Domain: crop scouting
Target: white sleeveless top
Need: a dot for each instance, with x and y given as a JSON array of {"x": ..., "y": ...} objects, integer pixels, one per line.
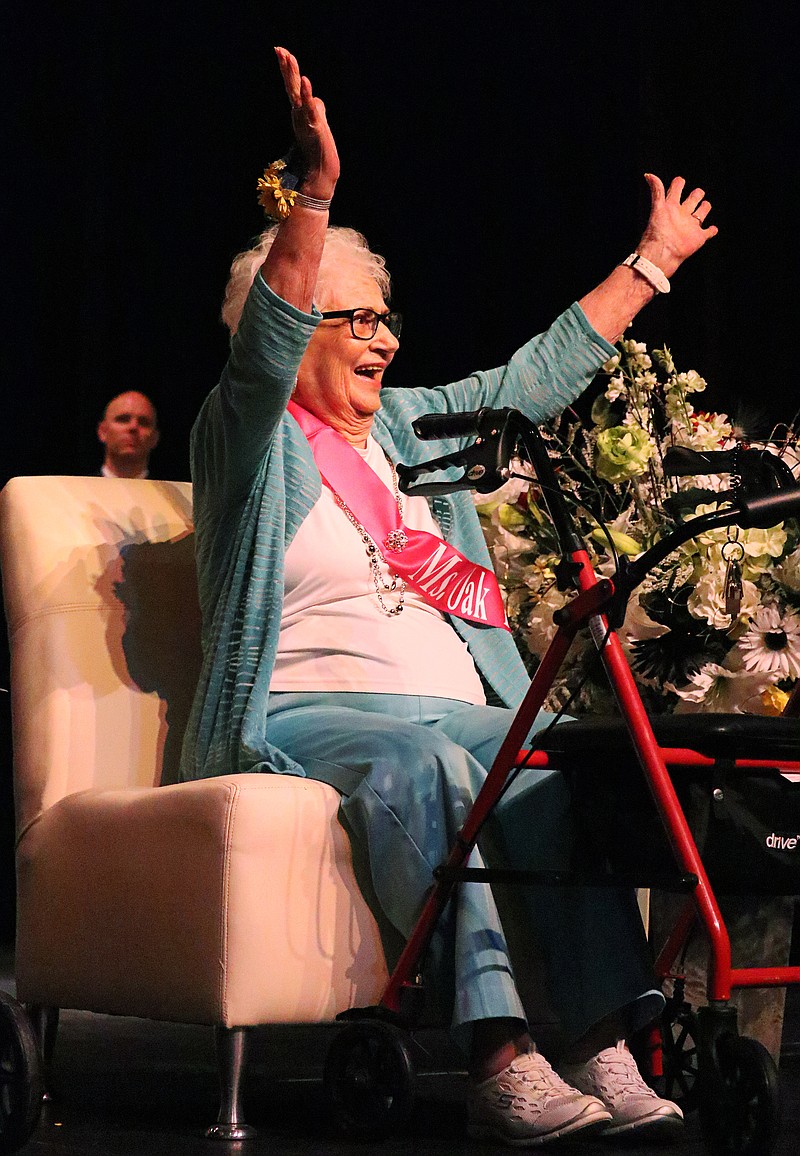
[{"x": 334, "y": 635}]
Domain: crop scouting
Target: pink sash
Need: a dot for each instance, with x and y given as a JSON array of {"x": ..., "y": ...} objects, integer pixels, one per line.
[{"x": 435, "y": 569}]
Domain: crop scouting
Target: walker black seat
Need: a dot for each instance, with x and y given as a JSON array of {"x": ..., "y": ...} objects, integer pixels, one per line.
[
  {"x": 718, "y": 736},
  {"x": 745, "y": 821}
]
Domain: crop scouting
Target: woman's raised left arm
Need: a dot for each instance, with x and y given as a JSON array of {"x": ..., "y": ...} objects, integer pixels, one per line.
[{"x": 674, "y": 231}]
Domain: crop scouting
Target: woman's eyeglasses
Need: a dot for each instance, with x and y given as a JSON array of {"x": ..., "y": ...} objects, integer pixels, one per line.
[{"x": 364, "y": 322}]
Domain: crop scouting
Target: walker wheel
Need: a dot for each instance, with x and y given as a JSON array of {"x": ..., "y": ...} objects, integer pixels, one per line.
[
  {"x": 740, "y": 1098},
  {"x": 20, "y": 1076},
  {"x": 679, "y": 1033},
  {"x": 369, "y": 1080}
]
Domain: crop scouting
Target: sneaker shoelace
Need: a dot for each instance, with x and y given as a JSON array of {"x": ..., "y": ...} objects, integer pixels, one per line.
[
  {"x": 535, "y": 1073},
  {"x": 627, "y": 1080}
]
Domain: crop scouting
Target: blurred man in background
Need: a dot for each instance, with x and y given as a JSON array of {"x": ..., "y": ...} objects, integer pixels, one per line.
[{"x": 129, "y": 432}]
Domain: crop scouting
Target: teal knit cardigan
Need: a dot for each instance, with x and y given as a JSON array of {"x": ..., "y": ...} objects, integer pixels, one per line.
[{"x": 254, "y": 481}]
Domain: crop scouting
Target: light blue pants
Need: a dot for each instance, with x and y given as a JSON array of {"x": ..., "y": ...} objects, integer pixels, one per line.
[{"x": 409, "y": 769}]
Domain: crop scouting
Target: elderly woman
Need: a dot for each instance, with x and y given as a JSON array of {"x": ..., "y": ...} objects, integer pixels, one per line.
[{"x": 336, "y": 645}]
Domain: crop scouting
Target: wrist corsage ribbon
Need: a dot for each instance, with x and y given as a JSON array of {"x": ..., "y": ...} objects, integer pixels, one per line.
[{"x": 277, "y": 196}]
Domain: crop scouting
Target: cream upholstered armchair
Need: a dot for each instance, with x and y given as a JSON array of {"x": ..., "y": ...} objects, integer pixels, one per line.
[{"x": 231, "y": 901}]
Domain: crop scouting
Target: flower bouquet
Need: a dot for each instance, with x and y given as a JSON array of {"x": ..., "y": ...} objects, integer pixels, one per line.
[{"x": 691, "y": 644}]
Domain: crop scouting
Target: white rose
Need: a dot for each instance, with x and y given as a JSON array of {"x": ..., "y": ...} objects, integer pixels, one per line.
[{"x": 788, "y": 573}]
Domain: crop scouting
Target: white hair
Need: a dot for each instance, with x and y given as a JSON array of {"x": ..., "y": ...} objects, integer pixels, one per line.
[{"x": 343, "y": 248}]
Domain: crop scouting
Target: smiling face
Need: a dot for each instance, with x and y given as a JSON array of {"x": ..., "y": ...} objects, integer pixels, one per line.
[{"x": 340, "y": 376}]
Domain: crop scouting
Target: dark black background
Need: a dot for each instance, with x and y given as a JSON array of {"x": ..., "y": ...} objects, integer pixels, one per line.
[{"x": 493, "y": 152}]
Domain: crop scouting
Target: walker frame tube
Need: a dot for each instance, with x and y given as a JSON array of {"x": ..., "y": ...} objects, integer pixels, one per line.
[{"x": 592, "y": 606}]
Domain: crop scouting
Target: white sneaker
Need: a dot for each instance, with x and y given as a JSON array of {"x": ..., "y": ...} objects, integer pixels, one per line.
[
  {"x": 612, "y": 1076},
  {"x": 528, "y": 1104}
]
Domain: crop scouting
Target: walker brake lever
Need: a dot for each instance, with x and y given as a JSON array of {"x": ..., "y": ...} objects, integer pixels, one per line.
[{"x": 485, "y": 462}]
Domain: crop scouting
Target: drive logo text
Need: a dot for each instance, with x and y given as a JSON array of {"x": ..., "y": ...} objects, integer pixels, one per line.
[{"x": 778, "y": 842}]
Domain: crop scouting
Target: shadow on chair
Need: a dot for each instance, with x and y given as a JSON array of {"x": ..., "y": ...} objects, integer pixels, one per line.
[{"x": 229, "y": 901}]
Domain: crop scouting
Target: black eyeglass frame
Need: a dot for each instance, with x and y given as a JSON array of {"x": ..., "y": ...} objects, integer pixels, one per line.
[{"x": 391, "y": 319}]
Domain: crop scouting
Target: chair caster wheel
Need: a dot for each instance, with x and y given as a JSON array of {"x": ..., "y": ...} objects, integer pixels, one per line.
[{"x": 21, "y": 1084}]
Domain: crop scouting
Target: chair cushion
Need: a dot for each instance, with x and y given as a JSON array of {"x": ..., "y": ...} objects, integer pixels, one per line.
[{"x": 228, "y": 900}]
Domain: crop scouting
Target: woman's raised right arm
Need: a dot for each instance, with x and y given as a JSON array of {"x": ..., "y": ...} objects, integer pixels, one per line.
[
  {"x": 292, "y": 264},
  {"x": 238, "y": 421}
]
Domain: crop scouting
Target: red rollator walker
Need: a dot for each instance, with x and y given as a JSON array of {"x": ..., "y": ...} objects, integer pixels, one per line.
[{"x": 739, "y": 770}]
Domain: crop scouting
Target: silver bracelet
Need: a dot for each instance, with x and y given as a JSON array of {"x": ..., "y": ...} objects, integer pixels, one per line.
[{"x": 317, "y": 203}]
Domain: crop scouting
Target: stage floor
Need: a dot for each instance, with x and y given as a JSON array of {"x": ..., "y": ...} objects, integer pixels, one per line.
[{"x": 129, "y": 1087}]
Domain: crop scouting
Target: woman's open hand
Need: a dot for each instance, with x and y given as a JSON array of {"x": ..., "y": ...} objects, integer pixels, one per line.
[
  {"x": 676, "y": 227},
  {"x": 312, "y": 133}
]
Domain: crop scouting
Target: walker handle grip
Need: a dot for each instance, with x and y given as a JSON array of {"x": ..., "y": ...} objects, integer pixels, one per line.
[
  {"x": 764, "y": 512},
  {"x": 455, "y": 425},
  {"x": 682, "y": 460}
]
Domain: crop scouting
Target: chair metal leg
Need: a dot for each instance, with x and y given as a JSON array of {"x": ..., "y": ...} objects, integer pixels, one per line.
[
  {"x": 231, "y": 1057},
  {"x": 45, "y": 1025}
]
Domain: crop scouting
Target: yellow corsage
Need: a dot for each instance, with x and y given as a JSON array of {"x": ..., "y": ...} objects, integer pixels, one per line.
[{"x": 275, "y": 200}]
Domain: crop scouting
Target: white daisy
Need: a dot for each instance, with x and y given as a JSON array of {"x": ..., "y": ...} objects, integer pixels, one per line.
[
  {"x": 716, "y": 690},
  {"x": 771, "y": 644}
]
